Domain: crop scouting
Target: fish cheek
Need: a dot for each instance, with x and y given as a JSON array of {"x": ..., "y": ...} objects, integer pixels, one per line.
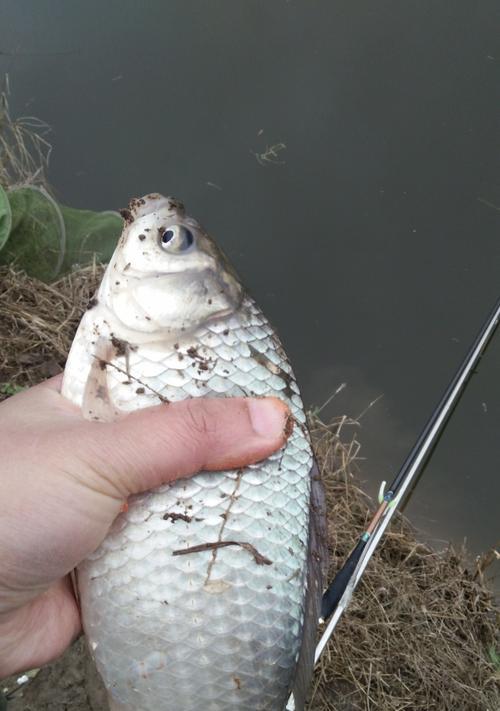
[
  {"x": 182, "y": 301},
  {"x": 129, "y": 312}
]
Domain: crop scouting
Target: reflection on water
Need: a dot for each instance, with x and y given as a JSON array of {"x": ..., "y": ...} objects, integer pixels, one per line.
[{"x": 345, "y": 156}]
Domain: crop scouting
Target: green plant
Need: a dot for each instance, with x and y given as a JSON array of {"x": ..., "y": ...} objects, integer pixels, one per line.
[{"x": 10, "y": 389}]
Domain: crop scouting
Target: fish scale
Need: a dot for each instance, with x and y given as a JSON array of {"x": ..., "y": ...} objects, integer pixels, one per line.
[{"x": 218, "y": 628}]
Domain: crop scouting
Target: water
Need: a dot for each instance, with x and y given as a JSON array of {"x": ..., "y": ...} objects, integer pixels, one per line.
[{"x": 372, "y": 241}]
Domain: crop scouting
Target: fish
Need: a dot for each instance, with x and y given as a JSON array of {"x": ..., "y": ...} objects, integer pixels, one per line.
[{"x": 205, "y": 593}]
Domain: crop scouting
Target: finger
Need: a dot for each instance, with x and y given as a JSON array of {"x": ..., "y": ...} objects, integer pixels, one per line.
[
  {"x": 33, "y": 404},
  {"x": 161, "y": 444},
  {"x": 53, "y": 383}
]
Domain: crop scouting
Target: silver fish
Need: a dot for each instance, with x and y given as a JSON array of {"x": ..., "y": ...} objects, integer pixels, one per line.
[{"x": 204, "y": 594}]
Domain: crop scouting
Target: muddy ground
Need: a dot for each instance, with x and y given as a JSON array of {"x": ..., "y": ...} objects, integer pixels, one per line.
[{"x": 71, "y": 683}]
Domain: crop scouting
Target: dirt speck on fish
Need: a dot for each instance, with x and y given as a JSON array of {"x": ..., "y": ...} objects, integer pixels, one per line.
[{"x": 231, "y": 551}]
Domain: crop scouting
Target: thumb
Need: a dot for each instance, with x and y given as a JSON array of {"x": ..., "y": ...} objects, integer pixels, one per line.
[
  {"x": 65, "y": 479},
  {"x": 160, "y": 444}
]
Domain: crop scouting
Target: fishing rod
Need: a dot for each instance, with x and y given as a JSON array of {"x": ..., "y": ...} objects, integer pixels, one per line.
[{"x": 338, "y": 594}]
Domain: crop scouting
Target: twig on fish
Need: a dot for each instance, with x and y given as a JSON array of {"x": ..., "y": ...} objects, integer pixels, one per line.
[
  {"x": 258, "y": 557},
  {"x": 232, "y": 498},
  {"x": 103, "y": 363}
]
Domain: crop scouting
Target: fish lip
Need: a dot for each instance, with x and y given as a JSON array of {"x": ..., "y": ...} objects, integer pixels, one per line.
[{"x": 148, "y": 276}]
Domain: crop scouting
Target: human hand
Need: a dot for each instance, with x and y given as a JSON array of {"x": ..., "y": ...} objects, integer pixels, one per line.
[{"x": 64, "y": 480}]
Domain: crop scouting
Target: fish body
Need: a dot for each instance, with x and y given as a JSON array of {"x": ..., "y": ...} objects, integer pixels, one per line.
[{"x": 204, "y": 593}]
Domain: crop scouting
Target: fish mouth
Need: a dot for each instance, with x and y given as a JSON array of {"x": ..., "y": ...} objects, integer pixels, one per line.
[{"x": 149, "y": 275}]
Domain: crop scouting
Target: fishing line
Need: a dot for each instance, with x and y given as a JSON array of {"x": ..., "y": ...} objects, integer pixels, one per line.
[{"x": 362, "y": 552}]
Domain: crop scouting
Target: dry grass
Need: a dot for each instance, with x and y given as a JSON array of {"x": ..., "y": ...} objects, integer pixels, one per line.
[
  {"x": 24, "y": 150},
  {"x": 37, "y": 323},
  {"x": 419, "y": 629}
]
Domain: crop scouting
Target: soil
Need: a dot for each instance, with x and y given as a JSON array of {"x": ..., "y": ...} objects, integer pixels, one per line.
[{"x": 69, "y": 684}]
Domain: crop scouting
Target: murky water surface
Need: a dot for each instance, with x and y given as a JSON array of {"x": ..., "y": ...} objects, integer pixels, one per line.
[{"x": 346, "y": 157}]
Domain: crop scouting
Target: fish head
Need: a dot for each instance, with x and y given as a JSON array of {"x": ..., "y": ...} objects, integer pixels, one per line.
[{"x": 167, "y": 274}]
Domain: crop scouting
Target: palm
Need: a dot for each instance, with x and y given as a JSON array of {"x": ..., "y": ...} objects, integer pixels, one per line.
[{"x": 44, "y": 627}]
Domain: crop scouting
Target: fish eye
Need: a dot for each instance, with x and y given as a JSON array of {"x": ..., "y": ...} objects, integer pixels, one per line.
[{"x": 176, "y": 238}]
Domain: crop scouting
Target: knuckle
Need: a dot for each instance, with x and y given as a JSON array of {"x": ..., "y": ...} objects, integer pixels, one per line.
[
  {"x": 102, "y": 468},
  {"x": 199, "y": 420}
]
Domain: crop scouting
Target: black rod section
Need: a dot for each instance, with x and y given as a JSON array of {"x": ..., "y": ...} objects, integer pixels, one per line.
[{"x": 423, "y": 445}]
